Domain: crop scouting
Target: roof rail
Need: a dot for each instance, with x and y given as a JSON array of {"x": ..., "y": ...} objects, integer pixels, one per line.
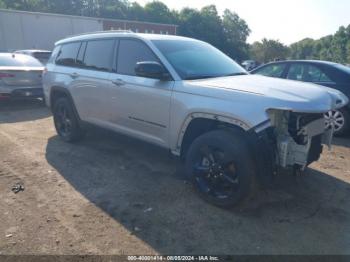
[{"x": 105, "y": 31}]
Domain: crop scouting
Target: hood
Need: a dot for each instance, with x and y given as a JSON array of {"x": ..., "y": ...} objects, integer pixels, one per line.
[{"x": 275, "y": 93}]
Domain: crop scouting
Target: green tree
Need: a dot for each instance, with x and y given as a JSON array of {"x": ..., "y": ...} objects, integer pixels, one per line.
[
  {"x": 348, "y": 52},
  {"x": 70, "y": 7},
  {"x": 28, "y": 5},
  {"x": 303, "y": 49},
  {"x": 136, "y": 12},
  {"x": 325, "y": 52},
  {"x": 339, "y": 45},
  {"x": 204, "y": 25},
  {"x": 236, "y": 32},
  {"x": 189, "y": 19},
  {"x": 268, "y": 50},
  {"x": 211, "y": 26},
  {"x": 228, "y": 33},
  {"x": 112, "y": 9},
  {"x": 158, "y": 12},
  {"x": 330, "y": 48}
]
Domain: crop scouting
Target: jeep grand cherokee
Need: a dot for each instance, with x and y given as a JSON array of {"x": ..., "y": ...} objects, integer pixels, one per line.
[{"x": 185, "y": 95}]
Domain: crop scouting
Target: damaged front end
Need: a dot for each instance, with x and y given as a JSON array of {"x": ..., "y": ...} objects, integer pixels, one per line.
[{"x": 298, "y": 137}]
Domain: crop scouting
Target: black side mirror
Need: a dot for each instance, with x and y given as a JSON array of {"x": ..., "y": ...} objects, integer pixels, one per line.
[{"x": 151, "y": 69}]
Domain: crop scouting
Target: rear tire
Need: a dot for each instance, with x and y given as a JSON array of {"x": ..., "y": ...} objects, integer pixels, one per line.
[
  {"x": 65, "y": 120},
  {"x": 221, "y": 168}
]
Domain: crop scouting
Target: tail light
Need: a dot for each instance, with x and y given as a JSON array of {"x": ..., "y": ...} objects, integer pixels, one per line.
[
  {"x": 6, "y": 75},
  {"x": 4, "y": 96}
]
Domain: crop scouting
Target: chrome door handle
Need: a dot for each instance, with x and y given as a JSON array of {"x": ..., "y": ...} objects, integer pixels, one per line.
[
  {"x": 118, "y": 82},
  {"x": 74, "y": 75}
]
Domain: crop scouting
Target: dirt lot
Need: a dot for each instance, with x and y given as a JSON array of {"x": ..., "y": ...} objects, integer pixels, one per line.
[{"x": 113, "y": 195}]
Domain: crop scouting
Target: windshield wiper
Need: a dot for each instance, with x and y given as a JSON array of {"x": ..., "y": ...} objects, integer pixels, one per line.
[
  {"x": 213, "y": 76},
  {"x": 199, "y": 77}
]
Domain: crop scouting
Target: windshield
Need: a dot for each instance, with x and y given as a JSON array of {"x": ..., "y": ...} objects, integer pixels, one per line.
[
  {"x": 18, "y": 60},
  {"x": 196, "y": 60}
]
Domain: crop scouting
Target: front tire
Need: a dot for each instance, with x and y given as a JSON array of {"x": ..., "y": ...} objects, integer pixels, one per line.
[
  {"x": 220, "y": 166},
  {"x": 66, "y": 121}
]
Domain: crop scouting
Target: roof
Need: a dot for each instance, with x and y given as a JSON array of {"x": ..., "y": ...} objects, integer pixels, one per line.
[
  {"x": 118, "y": 33},
  {"x": 34, "y": 51},
  {"x": 303, "y": 61}
]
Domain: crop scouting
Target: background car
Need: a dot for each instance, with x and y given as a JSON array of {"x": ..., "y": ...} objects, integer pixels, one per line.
[
  {"x": 42, "y": 55},
  {"x": 250, "y": 64},
  {"x": 324, "y": 73},
  {"x": 20, "y": 76}
]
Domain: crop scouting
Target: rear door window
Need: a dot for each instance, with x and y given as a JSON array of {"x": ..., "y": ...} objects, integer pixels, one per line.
[
  {"x": 272, "y": 70},
  {"x": 296, "y": 72},
  {"x": 99, "y": 55},
  {"x": 307, "y": 73},
  {"x": 68, "y": 54}
]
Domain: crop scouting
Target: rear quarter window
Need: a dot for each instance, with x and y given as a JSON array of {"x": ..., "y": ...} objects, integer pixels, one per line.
[
  {"x": 67, "y": 54},
  {"x": 54, "y": 54}
]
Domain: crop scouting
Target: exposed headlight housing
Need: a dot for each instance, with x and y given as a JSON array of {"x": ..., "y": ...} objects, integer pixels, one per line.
[{"x": 298, "y": 134}]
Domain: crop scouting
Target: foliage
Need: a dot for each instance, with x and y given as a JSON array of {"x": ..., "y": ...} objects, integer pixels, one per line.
[
  {"x": 334, "y": 48},
  {"x": 204, "y": 24},
  {"x": 236, "y": 32},
  {"x": 158, "y": 12},
  {"x": 268, "y": 50}
]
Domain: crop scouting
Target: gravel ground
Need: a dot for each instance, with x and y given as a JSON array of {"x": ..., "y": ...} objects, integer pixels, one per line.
[{"x": 110, "y": 194}]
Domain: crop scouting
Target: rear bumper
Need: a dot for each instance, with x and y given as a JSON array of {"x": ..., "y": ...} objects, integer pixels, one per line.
[{"x": 28, "y": 92}]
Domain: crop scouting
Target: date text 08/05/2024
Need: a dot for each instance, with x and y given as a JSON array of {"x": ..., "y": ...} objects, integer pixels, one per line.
[{"x": 173, "y": 258}]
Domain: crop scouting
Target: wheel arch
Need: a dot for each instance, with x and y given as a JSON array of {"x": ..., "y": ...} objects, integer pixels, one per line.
[
  {"x": 258, "y": 139},
  {"x": 58, "y": 92},
  {"x": 197, "y": 124}
]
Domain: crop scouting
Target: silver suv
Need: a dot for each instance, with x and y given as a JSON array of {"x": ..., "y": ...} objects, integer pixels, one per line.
[{"x": 185, "y": 95}]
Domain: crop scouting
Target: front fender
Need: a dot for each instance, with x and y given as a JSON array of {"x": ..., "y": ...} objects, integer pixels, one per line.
[{"x": 199, "y": 115}]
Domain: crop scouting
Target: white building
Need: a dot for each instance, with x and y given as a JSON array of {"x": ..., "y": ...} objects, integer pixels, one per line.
[{"x": 32, "y": 30}]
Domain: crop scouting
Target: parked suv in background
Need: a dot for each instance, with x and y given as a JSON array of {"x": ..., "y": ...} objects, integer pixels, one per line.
[
  {"x": 324, "y": 73},
  {"x": 186, "y": 96}
]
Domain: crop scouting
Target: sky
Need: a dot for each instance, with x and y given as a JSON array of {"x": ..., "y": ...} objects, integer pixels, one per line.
[{"x": 284, "y": 20}]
